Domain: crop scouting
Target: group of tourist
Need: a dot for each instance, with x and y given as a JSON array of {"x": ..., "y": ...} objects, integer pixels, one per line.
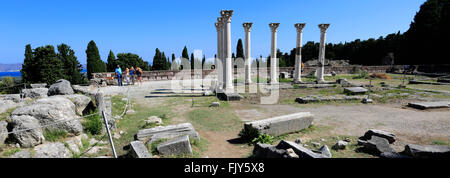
[{"x": 132, "y": 73}]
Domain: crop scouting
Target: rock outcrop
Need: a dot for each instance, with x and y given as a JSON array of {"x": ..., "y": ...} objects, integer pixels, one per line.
[
  {"x": 56, "y": 113},
  {"x": 81, "y": 102},
  {"x": 3, "y": 132},
  {"x": 61, "y": 87},
  {"x": 32, "y": 136},
  {"x": 35, "y": 93}
]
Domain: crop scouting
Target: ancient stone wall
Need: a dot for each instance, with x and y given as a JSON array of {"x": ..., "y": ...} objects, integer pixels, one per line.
[{"x": 211, "y": 74}]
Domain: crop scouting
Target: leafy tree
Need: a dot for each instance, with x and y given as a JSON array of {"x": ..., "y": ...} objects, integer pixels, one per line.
[
  {"x": 128, "y": 60},
  {"x": 94, "y": 62},
  {"x": 71, "y": 67}
]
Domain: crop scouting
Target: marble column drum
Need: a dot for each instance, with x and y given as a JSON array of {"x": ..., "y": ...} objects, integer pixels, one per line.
[
  {"x": 248, "y": 62},
  {"x": 273, "y": 53}
]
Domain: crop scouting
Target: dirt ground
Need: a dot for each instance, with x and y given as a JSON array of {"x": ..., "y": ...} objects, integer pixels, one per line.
[{"x": 352, "y": 119}]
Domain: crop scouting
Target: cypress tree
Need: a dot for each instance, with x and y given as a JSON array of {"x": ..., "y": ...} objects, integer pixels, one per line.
[
  {"x": 239, "y": 50},
  {"x": 111, "y": 62},
  {"x": 94, "y": 62},
  {"x": 192, "y": 61},
  {"x": 164, "y": 62},
  {"x": 174, "y": 64},
  {"x": 157, "y": 62},
  {"x": 28, "y": 70}
]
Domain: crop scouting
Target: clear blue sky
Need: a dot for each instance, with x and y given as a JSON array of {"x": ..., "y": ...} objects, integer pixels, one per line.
[{"x": 141, "y": 26}]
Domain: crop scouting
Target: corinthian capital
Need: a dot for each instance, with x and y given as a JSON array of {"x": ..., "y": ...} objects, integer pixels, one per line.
[
  {"x": 226, "y": 15},
  {"x": 247, "y": 26},
  {"x": 218, "y": 26},
  {"x": 274, "y": 26},
  {"x": 300, "y": 26},
  {"x": 324, "y": 27}
]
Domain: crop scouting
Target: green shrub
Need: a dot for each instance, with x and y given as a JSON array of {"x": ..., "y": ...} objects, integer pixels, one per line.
[
  {"x": 265, "y": 139},
  {"x": 54, "y": 135},
  {"x": 248, "y": 134},
  {"x": 154, "y": 146},
  {"x": 362, "y": 75},
  {"x": 93, "y": 124}
]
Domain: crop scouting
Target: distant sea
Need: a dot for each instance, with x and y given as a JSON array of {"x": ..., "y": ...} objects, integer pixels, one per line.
[
  {"x": 18, "y": 74},
  {"x": 10, "y": 74}
]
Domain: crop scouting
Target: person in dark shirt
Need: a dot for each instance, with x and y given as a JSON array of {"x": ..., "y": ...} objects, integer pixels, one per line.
[{"x": 139, "y": 75}]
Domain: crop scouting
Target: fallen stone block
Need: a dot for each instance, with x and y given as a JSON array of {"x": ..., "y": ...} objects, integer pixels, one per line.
[
  {"x": 268, "y": 151},
  {"x": 280, "y": 125},
  {"x": 377, "y": 145},
  {"x": 427, "y": 151},
  {"x": 139, "y": 150},
  {"x": 430, "y": 105},
  {"x": 38, "y": 85},
  {"x": 325, "y": 151},
  {"x": 177, "y": 146},
  {"x": 393, "y": 155},
  {"x": 383, "y": 134},
  {"x": 167, "y": 132},
  {"x": 301, "y": 151},
  {"x": 315, "y": 99},
  {"x": 229, "y": 96},
  {"x": 355, "y": 90}
]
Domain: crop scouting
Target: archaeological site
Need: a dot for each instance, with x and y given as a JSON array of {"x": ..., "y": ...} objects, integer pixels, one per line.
[{"x": 296, "y": 86}]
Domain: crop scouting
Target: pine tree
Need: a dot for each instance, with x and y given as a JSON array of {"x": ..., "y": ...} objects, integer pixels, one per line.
[
  {"x": 28, "y": 68},
  {"x": 94, "y": 62},
  {"x": 192, "y": 61},
  {"x": 71, "y": 67},
  {"x": 111, "y": 62}
]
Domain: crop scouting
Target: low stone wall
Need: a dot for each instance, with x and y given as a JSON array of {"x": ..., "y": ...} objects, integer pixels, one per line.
[{"x": 239, "y": 73}]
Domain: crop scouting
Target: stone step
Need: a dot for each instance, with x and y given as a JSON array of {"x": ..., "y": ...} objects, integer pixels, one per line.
[{"x": 430, "y": 105}]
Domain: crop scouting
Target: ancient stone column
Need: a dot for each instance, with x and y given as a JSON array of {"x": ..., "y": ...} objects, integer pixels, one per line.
[
  {"x": 320, "y": 70},
  {"x": 298, "y": 53},
  {"x": 248, "y": 62},
  {"x": 226, "y": 17},
  {"x": 273, "y": 54},
  {"x": 219, "y": 64}
]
